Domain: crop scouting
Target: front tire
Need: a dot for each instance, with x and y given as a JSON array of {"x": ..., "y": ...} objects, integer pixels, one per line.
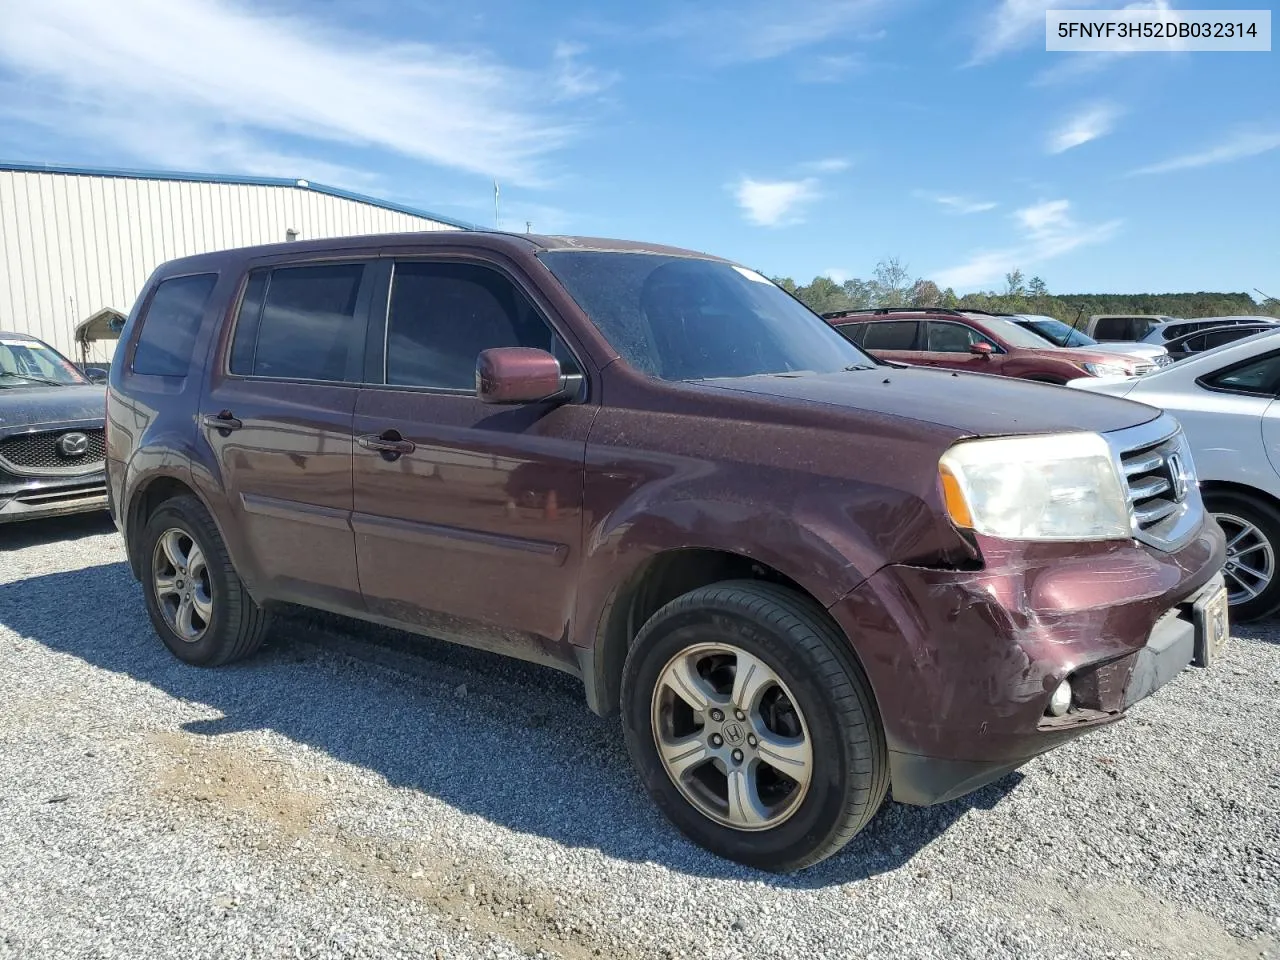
[
  {"x": 1252, "y": 527},
  {"x": 195, "y": 599},
  {"x": 752, "y": 725}
]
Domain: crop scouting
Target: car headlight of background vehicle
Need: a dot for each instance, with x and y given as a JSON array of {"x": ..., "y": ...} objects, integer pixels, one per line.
[
  {"x": 1109, "y": 369},
  {"x": 1062, "y": 486}
]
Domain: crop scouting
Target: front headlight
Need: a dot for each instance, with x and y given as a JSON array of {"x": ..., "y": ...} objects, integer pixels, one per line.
[
  {"x": 1109, "y": 369},
  {"x": 1059, "y": 487}
]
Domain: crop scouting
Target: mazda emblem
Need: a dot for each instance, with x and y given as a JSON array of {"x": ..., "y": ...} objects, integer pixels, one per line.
[{"x": 72, "y": 445}]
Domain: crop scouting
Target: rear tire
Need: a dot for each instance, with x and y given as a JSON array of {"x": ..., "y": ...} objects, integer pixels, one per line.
[
  {"x": 195, "y": 598},
  {"x": 805, "y": 766},
  {"x": 1252, "y": 526}
]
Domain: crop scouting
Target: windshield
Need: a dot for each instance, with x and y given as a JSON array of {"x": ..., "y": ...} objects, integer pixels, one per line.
[
  {"x": 1057, "y": 332},
  {"x": 1013, "y": 334},
  {"x": 682, "y": 318},
  {"x": 26, "y": 362}
]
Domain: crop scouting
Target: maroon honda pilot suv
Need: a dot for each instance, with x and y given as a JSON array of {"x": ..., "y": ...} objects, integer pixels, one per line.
[{"x": 807, "y": 579}]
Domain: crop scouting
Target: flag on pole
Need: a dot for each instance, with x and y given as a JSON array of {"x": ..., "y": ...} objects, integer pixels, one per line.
[{"x": 496, "y": 221}]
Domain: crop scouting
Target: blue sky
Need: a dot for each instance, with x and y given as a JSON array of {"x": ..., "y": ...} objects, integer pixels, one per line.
[{"x": 814, "y": 136}]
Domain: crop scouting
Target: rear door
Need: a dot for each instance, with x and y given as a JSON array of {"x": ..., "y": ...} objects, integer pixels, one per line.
[
  {"x": 892, "y": 340},
  {"x": 950, "y": 344},
  {"x": 473, "y": 530},
  {"x": 278, "y": 414}
]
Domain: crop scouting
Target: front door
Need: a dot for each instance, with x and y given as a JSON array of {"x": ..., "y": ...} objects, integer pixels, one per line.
[
  {"x": 279, "y": 420},
  {"x": 948, "y": 344},
  {"x": 471, "y": 529}
]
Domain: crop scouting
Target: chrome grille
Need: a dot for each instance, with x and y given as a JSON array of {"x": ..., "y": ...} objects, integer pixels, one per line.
[
  {"x": 1164, "y": 499},
  {"x": 41, "y": 454}
]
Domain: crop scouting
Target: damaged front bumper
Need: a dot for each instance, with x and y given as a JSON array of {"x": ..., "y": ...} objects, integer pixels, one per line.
[{"x": 963, "y": 663}]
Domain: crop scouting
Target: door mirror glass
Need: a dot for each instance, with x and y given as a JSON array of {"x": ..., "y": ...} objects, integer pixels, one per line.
[{"x": 518, "y": 375}]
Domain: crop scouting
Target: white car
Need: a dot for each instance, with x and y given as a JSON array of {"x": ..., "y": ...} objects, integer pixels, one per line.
[
  {"x": 1064, "y": 335},
  {"x": 1226, "y": 400}
]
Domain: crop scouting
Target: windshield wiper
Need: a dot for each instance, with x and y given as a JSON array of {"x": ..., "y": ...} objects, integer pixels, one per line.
[{"x": 32, "y": 377}]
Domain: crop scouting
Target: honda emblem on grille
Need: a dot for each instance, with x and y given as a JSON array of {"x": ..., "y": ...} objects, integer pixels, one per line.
[
  {"x": 1177, "y": 476},
  {"x": 72, "y": 445}
]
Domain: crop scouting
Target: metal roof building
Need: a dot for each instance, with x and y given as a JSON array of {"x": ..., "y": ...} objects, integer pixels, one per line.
[{"x": 77, "y": 244}]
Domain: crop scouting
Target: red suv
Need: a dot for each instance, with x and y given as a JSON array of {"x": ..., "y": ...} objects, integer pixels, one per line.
[
  {"x": 805, "y": 579},
  {"x": 978, "y": 342}
]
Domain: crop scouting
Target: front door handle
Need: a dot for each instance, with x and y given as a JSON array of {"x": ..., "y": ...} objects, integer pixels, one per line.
[
  {"x": 389, "y": 443},
  {"x": 224, "y": 422}
]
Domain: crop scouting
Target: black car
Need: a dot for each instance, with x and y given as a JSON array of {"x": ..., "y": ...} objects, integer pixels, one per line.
[
  {"x": 51, "y": 432},
  {"x": 1198, "y": 341}
]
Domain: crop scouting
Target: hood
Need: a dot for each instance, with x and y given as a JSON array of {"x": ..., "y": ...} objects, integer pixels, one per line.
[
  {"x": 29, "y": 406},
  {"x": 974, "y": 404},
  {"x": 1140, "y": 351}
]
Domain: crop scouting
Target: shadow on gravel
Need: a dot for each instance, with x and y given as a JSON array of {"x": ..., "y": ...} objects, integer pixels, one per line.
[
  {"x": 517, "y": 746},
  {"x": 30, "y": 533}
]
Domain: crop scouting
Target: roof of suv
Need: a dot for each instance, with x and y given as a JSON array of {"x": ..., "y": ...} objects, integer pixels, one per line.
[
  {"x": 881, "y": 313},
  {"x": 515, "y": 243}
]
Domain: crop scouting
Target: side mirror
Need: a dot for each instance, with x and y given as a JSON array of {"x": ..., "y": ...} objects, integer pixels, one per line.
[
  {"x": 518, "y": 375},
  {"x": 95, "y": 374},
  {"x": 982, "y": 349}
]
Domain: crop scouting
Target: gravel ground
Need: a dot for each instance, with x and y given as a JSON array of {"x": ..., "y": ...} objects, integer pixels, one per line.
[{"x": 341, "y": 796}]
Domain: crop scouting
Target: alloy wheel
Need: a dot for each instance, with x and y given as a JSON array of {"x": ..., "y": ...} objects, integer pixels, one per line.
[
  {"x": 731, "y": 736},
  {"x": 180, "y": 578},
  {"x": 1251, "y": 561}
]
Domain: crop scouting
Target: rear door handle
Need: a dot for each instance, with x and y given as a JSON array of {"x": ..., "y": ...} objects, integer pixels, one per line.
[
  {"x": 223, "y": 422},
  {"x": 389, "y": 443}
]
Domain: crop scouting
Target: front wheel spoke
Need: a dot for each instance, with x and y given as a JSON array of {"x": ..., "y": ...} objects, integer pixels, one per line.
[
  {"x": 1243, "y": 586},
  {"x": 1248, "y": 550},
  {"x": 745, "y": 806},
  {"x": 683, "y": 678},
  {"x": 1258, "y": 574},
  {"x": 183, "y": 617},
  {"x": 683, "y": 755},
  {"x": 751, "y": 678},
  {"x": 1240, "y": 535},
  {"x": 788, "y": 755},
  {"x": 195, "y": 559},
  {"x": 203, "y": 604},
  {"x": 173, "y": 550},
  {"x": 166, "y": 586}
]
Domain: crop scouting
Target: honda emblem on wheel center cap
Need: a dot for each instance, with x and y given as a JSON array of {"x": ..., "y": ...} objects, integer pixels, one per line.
[{"x": 734, "y": 733}]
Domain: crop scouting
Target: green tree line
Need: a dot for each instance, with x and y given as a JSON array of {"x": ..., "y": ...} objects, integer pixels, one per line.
[{"x": 891, "y": 285}]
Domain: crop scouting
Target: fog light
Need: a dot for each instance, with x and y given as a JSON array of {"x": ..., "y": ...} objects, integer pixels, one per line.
[{"x": 1060, "y": 702}]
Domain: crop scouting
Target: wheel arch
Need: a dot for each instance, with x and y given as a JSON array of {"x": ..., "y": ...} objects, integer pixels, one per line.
[
  {"x": 659, "y": 579},
  {"x": 144, "y": 501}
]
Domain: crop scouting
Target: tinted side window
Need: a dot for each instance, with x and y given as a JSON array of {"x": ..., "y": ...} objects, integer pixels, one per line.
[
  {"x": 1256, "y": 376},
  {"x": 1112, "y": 328},
  {"x": 307, "y": 327},
  {"x": 1212, "y": 340},
  {"x": 170, "y": 325},
  {"x": 853, "y": 332},
  {"x": 890, "y": 335},
  {"x": 952, "y": 337},
  {"x": 443, "y": 314}
]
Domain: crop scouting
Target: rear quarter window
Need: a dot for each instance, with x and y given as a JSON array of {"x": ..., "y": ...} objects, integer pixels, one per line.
[
  {"x": 890, "y": 335},
  {"x": 170, "y": 325}
]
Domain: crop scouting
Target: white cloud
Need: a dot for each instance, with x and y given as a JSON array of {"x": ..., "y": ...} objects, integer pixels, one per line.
[
  {"x": 774, "y": 203},
  {"x": 214, "y": 68},
  {"x": 837, "y": 275},
  {"x": 956, "y": 204},
  {"x": 830, "y": 68},
  {"x": 827, "y": 165},
  {"x": 1087, "y": 124},
  {"x": 1236, "y": 147},
  {"x": 1046, "y": 230},
  {"x": 762, "y": 29},
  {"x": 572, "y": 78}
]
